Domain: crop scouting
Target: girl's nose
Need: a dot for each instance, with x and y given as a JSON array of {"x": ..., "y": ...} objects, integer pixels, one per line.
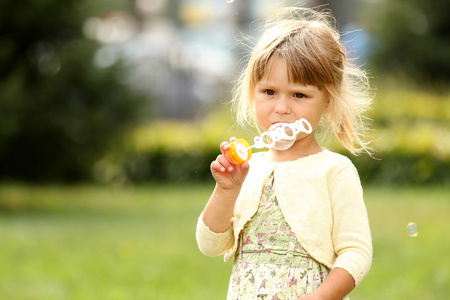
[{"x": 282, "y": 106}]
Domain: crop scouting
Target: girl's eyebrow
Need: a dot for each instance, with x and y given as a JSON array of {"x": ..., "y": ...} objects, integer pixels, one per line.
[
  {"x": 305, "y": 88},
  {"x": 295, "y": 87},
  {"x": 265, "y": 84}
]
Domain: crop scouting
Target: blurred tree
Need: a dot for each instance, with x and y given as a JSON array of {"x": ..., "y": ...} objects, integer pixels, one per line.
[
  {"x": 411, "y": 36},
  {"x": 59, "y": 114}
]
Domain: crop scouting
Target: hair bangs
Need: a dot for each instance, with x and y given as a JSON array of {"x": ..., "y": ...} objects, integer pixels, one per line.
[
  {"x": 300, "y": 70},
  {"x": 305, "y": 61}
]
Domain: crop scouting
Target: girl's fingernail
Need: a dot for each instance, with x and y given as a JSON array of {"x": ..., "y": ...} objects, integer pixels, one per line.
[{"x": 230, "y": 169}]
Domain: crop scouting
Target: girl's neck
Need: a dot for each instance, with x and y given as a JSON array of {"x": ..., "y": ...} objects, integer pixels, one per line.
[{"x": 299, "y": 149}]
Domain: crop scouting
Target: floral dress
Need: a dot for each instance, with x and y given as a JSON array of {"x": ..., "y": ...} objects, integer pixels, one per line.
[{"x": 270, "y": 263}]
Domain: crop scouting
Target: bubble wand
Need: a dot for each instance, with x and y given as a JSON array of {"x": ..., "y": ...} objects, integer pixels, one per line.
[{"x": 280, "y": 136}]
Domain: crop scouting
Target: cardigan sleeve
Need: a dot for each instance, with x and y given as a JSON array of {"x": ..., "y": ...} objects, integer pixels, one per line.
[
  {"x": 351, "y": 232},
  {"x": 212, "y": 243}
]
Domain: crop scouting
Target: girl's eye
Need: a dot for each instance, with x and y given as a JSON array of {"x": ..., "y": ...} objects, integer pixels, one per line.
[
  {"x": 299, "y": 95},
  {"x": 269, "y": 92}
]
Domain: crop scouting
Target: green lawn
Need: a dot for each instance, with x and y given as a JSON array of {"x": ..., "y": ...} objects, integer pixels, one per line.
[{"x": 94, "y": 242}]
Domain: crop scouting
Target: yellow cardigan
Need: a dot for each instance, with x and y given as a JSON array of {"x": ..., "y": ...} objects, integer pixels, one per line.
[{"x": 320, "y": 197}]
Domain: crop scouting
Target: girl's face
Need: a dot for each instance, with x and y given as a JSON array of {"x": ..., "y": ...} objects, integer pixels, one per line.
[{"x": 279, "y": 100}]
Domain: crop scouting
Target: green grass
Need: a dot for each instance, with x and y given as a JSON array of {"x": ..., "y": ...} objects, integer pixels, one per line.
[{"x": 94, "y": 242}]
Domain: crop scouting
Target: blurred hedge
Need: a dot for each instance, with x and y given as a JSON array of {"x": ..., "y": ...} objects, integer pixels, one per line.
[
  {"x": 169, "y": 150},
  {"x": 411, "y": 136}
]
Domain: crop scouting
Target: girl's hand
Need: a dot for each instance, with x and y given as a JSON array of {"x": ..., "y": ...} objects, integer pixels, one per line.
[{"x": 227, "y": 174}]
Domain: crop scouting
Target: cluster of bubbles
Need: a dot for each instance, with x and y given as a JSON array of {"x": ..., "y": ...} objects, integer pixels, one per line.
[{"x": 281, "y": 136}]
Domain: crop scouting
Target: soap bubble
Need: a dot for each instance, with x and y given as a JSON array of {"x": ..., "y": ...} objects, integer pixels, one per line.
[
  {"x": 413, "y": 230},
  {"x": 283, "y": 136}
]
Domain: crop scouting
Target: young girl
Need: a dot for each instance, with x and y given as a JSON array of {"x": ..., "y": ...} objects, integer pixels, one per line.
[{"x": 294, "y": 220}]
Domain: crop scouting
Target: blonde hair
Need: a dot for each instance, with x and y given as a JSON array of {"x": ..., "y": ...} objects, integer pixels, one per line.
[{"x": 309, "y": 43}]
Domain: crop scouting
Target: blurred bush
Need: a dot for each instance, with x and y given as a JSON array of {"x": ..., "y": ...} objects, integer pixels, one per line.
[
  {"x": 168, "y": 150},
  {"x": 59, "y": 114},
  {"x": 411, "y": 137}
]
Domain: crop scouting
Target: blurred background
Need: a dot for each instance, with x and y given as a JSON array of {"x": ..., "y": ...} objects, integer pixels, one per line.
[
  {"x": 130, "y": 91},
  {"x": 111, "y": 112}
]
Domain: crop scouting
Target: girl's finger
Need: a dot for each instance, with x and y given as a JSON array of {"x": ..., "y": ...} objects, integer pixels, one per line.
[
  {"x": 224, "y": 161},
  {"x": 217, "y": 167},
  {"x": 224, "y": 147}
]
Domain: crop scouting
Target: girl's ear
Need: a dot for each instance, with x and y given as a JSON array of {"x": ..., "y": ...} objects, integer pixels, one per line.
[{"x": 327, "y": 106}]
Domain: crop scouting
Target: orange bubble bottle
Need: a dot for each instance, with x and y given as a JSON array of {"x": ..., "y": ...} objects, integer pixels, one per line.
[{"x": 239, "y": 151}]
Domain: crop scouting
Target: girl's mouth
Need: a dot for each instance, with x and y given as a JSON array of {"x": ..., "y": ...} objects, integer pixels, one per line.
[{"x": 283, "y": 135}]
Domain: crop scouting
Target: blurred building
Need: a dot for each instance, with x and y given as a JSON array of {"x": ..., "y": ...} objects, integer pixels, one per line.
[{"x": 183, "y": 53}]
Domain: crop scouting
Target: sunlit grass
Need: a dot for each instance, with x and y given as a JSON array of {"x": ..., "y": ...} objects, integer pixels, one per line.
[
  {"x": 93, "y": 242},
  {"x": 406, "y": 267}
]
